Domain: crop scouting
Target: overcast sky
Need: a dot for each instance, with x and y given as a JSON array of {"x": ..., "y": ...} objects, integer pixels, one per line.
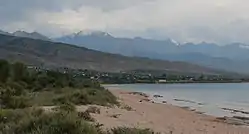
[{"x": 222, "y": 21}]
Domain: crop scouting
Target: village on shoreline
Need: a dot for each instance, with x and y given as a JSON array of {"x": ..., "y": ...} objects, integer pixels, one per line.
[{"x": 148, "y": 77}]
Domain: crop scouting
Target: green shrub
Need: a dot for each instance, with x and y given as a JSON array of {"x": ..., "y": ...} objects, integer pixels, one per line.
[
  {"x": 93, "y": 109},
  {"x": 86, "y": 96},
  {"x": 102, "y": 97},
  {"x": 38, "y": 122},
  {"x": 18, "y": 102},
  {"x": 57, "y": 123},
  {"x": 126, "y": 107},
  {"x": 15, "y": 102},
  {"x": 125, "y": 130},
  {"x": 18, "y": 88},
  {"x": 68, "y": 107},
  {"x": 86, "y": 116}
]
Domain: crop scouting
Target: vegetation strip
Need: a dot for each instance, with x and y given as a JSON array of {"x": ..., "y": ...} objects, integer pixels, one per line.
[{"x": 23, "y": 93}]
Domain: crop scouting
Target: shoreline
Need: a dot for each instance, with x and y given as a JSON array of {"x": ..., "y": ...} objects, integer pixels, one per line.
[
  {"x": 209, "y": 108},
  {"x": 163, "y": 117},
  {"x": 233, "y": 120},
  {"x": 184, "y": 82}
]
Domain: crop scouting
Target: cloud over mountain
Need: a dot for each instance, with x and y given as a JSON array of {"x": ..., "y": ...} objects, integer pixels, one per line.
[{"x": 220, "y": 21}]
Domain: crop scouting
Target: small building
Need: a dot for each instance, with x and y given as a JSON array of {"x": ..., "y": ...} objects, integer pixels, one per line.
[{"x": 162, "y": 81}]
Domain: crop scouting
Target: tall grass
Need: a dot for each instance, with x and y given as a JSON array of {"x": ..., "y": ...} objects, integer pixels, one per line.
[{"x": 37, "y": 121}]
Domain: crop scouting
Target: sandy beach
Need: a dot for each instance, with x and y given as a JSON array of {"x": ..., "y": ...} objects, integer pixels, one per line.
[{"x": 137, "y": 111}]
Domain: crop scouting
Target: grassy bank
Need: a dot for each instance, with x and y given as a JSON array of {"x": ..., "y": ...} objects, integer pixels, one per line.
[{"x": 23, "y": 93}]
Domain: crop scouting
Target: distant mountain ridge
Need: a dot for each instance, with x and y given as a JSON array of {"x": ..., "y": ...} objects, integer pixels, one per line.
[
  {"x": 51, "y": 54},
  {"x": 32, "y": 35},
  {"x": 231, "y": 57},
  {"x": 5, "y": 33}
]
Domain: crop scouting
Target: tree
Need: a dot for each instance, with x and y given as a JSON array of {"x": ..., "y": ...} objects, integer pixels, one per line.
[
  {"x": 201, "y": 77},
  {"x": 19, "y": 71},
  {"x": 4, "y": 70}
]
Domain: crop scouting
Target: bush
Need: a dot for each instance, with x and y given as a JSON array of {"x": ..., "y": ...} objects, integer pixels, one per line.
[
  {"x": 18, "y": 102},
  {"x": 86, "y": 116},
  {"x": 93, "y": 109},
  {"x": 9, "y": 118},
  {"x": 68, "y": 107},
  {"x": 37, "y": 122},
  {"x": 15, "y": 102},
  {"x": 102, "y": 97},
  {"x": 18, "y": 84},
  {"x": 86, "y": 96},
  {"x": 125, "y": 130},
  {"x": 18, "y": 88},
  {"x": 57, "y": 123},
  {"x": 126, "y": 107}
]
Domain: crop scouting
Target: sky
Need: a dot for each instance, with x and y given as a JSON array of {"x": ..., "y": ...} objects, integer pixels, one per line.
[{"x": 219, "y": 21}]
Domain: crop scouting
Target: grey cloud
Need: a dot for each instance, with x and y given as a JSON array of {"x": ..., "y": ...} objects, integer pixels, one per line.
[{"x": 220, "y": 21}]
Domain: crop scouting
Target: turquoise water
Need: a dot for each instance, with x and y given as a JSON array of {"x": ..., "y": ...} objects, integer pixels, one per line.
[{"x": 207, "y": 98}]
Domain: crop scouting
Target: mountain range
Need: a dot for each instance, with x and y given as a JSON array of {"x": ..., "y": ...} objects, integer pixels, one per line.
[
  {"x": 230, "y": 57},
  {"x": 53, "y": 55}
]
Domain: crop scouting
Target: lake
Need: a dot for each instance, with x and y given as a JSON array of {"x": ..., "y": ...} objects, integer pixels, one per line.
[{"x": 209, "y": 98}]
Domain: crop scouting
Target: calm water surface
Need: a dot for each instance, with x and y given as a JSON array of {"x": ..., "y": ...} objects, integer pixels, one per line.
[{"x": 208, "y": 98}]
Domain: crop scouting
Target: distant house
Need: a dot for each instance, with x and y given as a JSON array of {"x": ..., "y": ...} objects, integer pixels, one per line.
[{"x": 162, "y": 81}]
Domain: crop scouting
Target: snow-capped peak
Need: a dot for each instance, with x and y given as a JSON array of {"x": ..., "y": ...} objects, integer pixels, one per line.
[
  {"x": 175, "y": 42},
  {"x": 91, "y": 33}
]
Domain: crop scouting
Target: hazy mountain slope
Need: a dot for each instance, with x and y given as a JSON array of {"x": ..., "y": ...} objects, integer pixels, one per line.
[
  {"x": 104, "y": 42},
  {"x": 33, "y": 35},
  {"x": 239, "y": 66},
  {"x": 235, "y": 51},
  {"x": 37, "y": 52},
  {"x": 230, "y": 57},
  {"x": 5, "y": 33}
]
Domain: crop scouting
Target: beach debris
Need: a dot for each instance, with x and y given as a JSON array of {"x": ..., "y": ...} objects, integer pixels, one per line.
[
  {"x": 139, "y": 93},
  {"x": 199, "y": 112},
  {"x": 158, "y": 96},
  {"x": 126, "y": 107},
  {"x": 115, "y": 115},
  {"x": 200, "y": 104},
  {"x": 190, "y": 109},
  {"x": 98, "y": 125},
  {"x": 164, "y": 102},
  {"x": 147, "y": 100}
]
